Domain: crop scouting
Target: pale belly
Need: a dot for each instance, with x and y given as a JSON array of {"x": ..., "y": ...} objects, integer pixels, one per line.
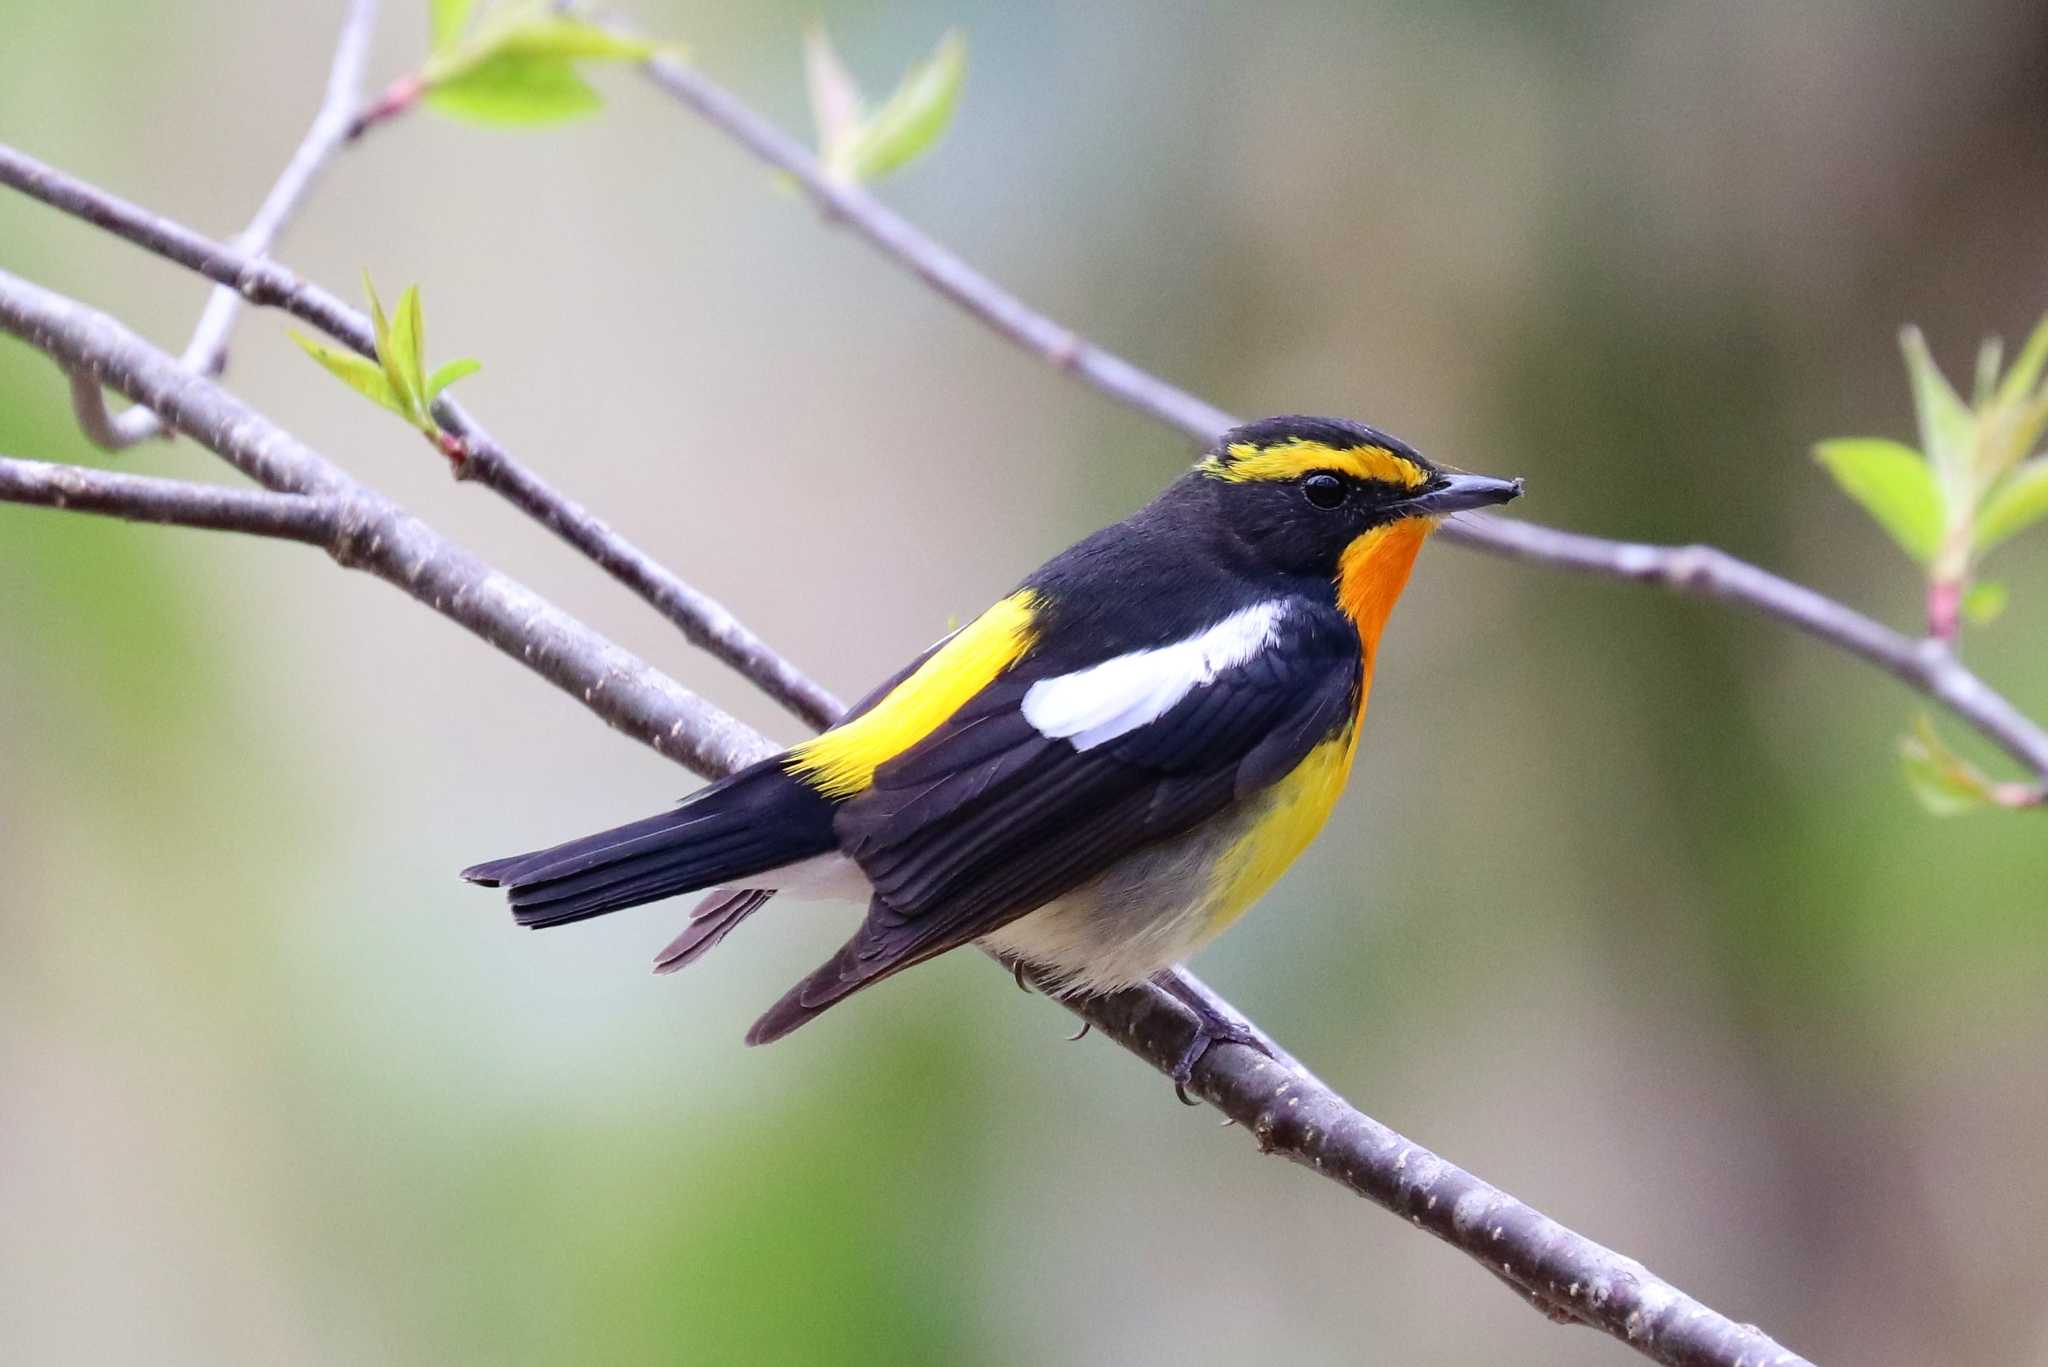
[{"x": 1159, "y": 905}]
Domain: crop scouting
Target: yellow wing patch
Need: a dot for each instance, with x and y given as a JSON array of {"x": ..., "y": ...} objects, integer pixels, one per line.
[
  {"x": 842, "y": 761},
  {"x": 1244, "y": 462}
]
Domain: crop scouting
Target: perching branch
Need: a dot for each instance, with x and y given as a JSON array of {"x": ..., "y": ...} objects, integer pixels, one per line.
[
  {"x": 1567, "y": 1276},
  {"x": 1288, "y": 1110},
  {"x": 1926, "y": 666},
  {"x": 171, "y": 502},
  {"x": 703, "y": 621},
  {"x": 207, "y": 352}
]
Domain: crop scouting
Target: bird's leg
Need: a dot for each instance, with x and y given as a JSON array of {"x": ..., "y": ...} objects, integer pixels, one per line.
[{"x": 1211, "y": 1028}]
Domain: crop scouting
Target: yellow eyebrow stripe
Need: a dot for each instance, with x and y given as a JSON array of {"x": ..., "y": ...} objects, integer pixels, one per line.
[
  {"x": 1244, "y": 462},
  {"x": 842, "y": 761}
]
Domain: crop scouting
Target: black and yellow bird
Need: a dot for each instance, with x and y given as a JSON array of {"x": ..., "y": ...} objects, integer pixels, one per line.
[{"x": 1095, "y": 776}]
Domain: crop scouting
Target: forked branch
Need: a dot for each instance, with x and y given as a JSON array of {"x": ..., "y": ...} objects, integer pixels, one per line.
[
  {"x": 170, "y": 502},
  {"x": 703, "y": 621},
  {"x": 207, "y": 352}
]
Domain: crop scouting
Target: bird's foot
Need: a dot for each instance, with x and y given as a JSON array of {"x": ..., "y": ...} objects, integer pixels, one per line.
[{"x": 1211, "y": 1029}]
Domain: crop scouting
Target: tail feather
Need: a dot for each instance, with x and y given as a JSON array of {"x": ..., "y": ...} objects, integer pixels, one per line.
[
  {"x": 876, "y": 951},
  {"x": 635, "y": 879},
  {"x": 757, "y": 820},
  {"x": 605, "y": 848},
  {"x": 832, "y": 982},
  {"x": 711, "y": 922}
]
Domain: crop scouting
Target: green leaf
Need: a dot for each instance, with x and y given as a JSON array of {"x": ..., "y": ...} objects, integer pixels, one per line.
[
  {"x": 449, "y": 374},
  {"x": 1893, "y": 485},
  {"x": 911, "y": 120},
  {"x": 1990, "y": 355},
  {"x": 448, "y": 18},
  {"x": 1948, "y": 430},
  {"x": 1945, "y": 783},
  {"x": 536, "y": 29},
  {"x": 549, "y": 34},
  {"x": 516, "y": 65},
  {"x": 836, "y": 104},
  {"x": 513, "y": 90},
  {"x": 407, "y": 349},
  {"x": 1985, "y": 600},
  {"x": 2016, "y": 429},
  {"x": 380, "y": 326},
  {"x": 2018, "y": 502},
  {"x": 359, "y": 373},
  {"x": 387, "y": 352},
  {"x": 2026, "y": 371}
]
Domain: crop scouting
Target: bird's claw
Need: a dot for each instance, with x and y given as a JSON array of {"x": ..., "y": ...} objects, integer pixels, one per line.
[{"x": 1209, "y": 1032}]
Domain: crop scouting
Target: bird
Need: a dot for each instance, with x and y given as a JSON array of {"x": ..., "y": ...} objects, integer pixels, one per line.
[{"x": 1091, "y": 779}]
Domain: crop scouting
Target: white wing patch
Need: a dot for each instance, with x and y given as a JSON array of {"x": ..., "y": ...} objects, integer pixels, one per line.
[{"x": 1104, "y": 701}]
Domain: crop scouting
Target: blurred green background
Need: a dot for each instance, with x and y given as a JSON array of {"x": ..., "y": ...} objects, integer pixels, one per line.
[{"x": 1627, "y": 909}]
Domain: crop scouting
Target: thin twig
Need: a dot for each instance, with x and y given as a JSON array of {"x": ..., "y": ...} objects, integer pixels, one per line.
[
  {"x": 1285, "y": 1108},
  {"x": 702, "y": 620},
  {"x": 1927, "y": 665},
  {"x": 171, "y": 502},
  {"x": 1702, "y": 571},
  {"x": 207, "y": 352},
  {"x": 376, "y": 535},
  {"x": 936, "y": 264}
]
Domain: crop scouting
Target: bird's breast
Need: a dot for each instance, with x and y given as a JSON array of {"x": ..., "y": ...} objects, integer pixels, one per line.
[
  {"x": 1282, "y": 821},
  {"x": 1159, "y": 904}
]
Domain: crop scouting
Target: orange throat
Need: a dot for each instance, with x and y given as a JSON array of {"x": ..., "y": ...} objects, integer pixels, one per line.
[{"x": 1370, "y": 576}]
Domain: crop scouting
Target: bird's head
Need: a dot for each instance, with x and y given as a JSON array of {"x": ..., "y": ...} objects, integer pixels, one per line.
[
  {"x": 1335, "y": 500},
  {"x": 1301, "y": 493}
]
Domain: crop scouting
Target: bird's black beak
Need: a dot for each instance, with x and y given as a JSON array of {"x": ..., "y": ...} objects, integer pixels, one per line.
[{"x": 1458, "y": 493}]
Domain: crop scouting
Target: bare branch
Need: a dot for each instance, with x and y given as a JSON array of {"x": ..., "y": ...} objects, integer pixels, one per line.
[
  {"x": 1927, "y": 665},
  {"x": 702, "y": 620},
  {"x": 1697, "y": 570},
  {"x": 376, "y": 535},
  {"x": 936, "y": 264},
  {"x": 1565, "y": 1275},
  {"x": 1284, "y": 1107},
  {"x": 207, "y": 352},
  {"x": 172, "y": 502}
]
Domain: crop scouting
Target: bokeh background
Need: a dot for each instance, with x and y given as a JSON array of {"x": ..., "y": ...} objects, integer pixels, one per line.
[{"x": 1627, "y": 910}]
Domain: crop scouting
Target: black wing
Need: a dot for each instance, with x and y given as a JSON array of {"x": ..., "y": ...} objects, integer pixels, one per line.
[{"x": 988, "y": 819}]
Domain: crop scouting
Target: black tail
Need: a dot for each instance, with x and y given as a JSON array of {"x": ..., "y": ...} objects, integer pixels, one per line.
[{"x": 757, "y": 820}]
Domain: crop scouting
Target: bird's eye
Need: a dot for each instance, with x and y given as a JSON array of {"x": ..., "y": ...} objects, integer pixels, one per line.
[{"x": 1325, "y": 491}]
